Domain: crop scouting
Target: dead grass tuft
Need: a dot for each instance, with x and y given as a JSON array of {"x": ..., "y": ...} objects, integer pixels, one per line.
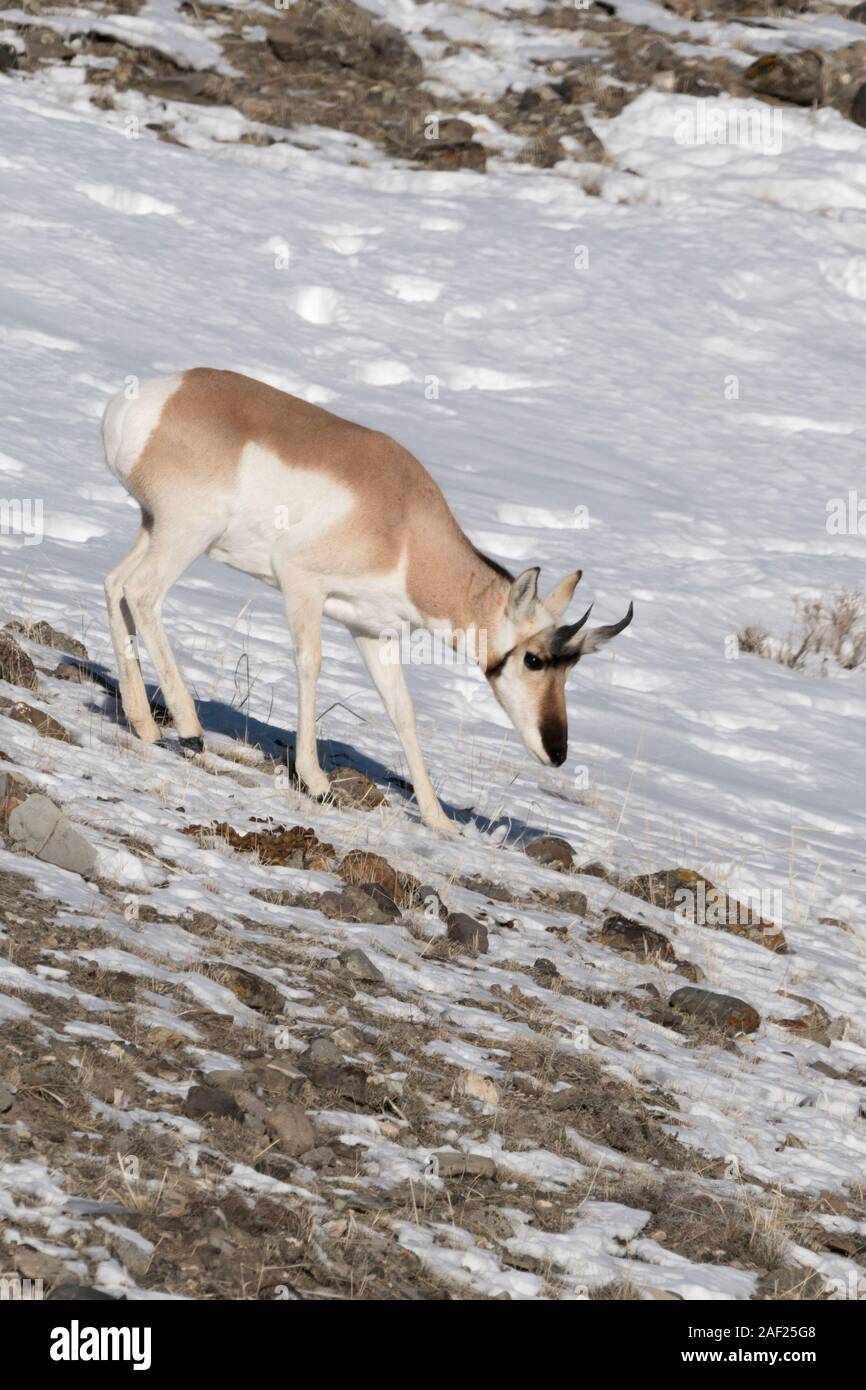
[{"x": 826, "y": 632}]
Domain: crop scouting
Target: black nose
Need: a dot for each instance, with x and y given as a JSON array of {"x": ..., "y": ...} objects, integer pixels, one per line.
[{"x": 554, "y": 740}]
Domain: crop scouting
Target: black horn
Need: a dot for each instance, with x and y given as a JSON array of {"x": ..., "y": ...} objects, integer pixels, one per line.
[
  {"x": 564, "y": 636},
  {"x": 603, "y": 634}
]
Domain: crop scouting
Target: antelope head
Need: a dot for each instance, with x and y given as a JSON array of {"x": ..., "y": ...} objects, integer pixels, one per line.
[{"x": 528, "y": 679}]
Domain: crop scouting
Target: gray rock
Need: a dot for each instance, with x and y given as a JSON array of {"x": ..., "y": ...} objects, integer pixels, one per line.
[
  {"x": 8, "y": 57},
  {"x": 430, "y": 901},
  {"x": 203, "y": 1102},
  {"x": 324, "y": 1064},
  {"x": 464, "y": 931},
  {"x": 545, "y": 969},
  {"x": 357, "y": 904},
  {"x": 7, "y": 1098},
  {"x": 226, "y": 1080},
  {"x": 322, "y": 1052},
  {"x": 347, "y": 1079},
  {"x": 321, "y": 1157},
  {"x": 360, "y": 967},
  {"x": 38, "y": 827},
  {"x": 133, "y": 1256},
  {"x": 71, "y": 671},
  {"x": 723, "y": 1010},
  {"x": 292, "y": 1127},
  {"x": 573, "y": 901},
  {"x": 287, "y": 1122},
  {"x": 451, "y": 1164},
  {"x": 386, "y": 904}
]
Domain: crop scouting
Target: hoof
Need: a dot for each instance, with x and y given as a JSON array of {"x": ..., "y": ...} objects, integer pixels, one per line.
[{"x": 186, "y": 747}]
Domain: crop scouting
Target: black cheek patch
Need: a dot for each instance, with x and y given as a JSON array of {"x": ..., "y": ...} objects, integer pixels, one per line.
[{"x": 498, "y": 667}]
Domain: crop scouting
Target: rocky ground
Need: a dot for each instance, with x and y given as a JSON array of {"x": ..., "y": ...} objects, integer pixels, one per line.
[
  {"x": 336, "y": 65},
  {"x": 343, "y": 1082},
  {"x": 255, "y": 1047}
]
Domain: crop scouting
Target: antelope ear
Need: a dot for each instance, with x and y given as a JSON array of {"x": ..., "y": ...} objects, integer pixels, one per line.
[
  {"x": 523, "y": 595},
  {"x": 559, "y": 598}
]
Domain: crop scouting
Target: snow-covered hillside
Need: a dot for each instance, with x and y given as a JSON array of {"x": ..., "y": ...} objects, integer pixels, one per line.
[{"x": 654, "y": 376}]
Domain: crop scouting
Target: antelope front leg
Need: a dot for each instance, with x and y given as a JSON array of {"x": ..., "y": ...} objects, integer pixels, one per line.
[
  {"x": 304, "y": 615},
  {"x": 382, "y": 659}
]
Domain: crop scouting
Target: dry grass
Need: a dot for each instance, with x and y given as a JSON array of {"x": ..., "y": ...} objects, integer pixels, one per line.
[{"x": 826, "y": 632}]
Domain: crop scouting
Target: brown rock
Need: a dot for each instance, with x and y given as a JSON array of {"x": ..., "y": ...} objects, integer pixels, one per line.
[
  {"x": 815, "y": 1024},
  {"x": 186, "y": 86},
  {"x": 552, "y": 851},
  {"x": 794, "y": 77},
  {"x": 13, "y": 790},
  {"x": 621, "y": 934},
  {"x": 544, "y": 151},
  {"x": 596, "y": 870},
  {"x": 349, "y": 787},
  {"x": 298, "y": 847},
  {"x": 342, "y": 34},
  {"x": 690, "y": 971},
  {"x": 362, "y": 867},
  {"x": 252, "y": 989},
  {"x": 441, "y": 144},
  {"x": 286, "y": 1121},
  {"x": 48, "y": 636},
  {"x": 15, "y": 665},
  {"x": 697, "y": 900},
  {"x": 347, "y": 1078},
  {"x": 44, "y": 724}
]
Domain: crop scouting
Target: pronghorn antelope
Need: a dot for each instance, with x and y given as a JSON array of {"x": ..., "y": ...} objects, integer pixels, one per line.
[{"x": 348, "y": 526}]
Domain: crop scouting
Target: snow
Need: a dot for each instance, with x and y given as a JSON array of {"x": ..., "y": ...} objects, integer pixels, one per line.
[
  {"x": 158, "y": 24},
  {"x": 660, "y": 384}
]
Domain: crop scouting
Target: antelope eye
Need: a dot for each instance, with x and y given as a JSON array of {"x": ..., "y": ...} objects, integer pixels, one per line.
[{"x": 534, "y": 662}]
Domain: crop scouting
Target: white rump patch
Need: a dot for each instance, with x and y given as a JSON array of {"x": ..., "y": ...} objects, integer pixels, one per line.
[{"x": 129, "y": 420}]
